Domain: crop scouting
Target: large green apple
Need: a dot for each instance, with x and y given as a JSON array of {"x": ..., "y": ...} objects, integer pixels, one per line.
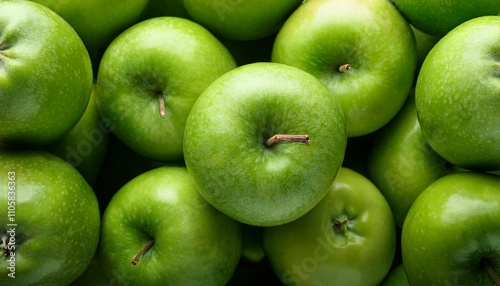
[
  {"x": 45, "y": 75},
  {"x": 158, "y": 230},
  {"x": 98, "y": 22},
  {"x": 438, "y": 17},
  {"x": 241, "y": 19},
  {"x": 149, "y": 78},
  {"x": 362, "y": 50},
  {"x": 349, "y": 238},
  {"x": 49, "y": 219},
  {"x": 401, "y": 162},
  {"x": 85, "y": 145},
  {"x": 264, "y": 143},
  {"x": 451, "y": 235},
  {"x": 458, "y": 95}
]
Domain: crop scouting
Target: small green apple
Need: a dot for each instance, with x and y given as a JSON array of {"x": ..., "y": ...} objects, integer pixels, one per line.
[
  {"x": 397, "y": 277},
  {"x": 45, "y": 75},
  {"x": 438, "y": 17},
  {"x": 241, "y": 19},
  {"x": 349, "y": 238},
  {"x": 49, "y": 219},
  {"x": 264, "y": 143},
  {"x": 160, "y": 8},
  {"x": 401, "y": 163},
  {"x": 157, "y": 230},
  {"x": 149, "y": 78},
  {"x": 252, "y": 249},
  {"x": 451, "y": 235},
  {"x": 458, "y": 94},
  {"x": 98, "y": 22},
  {"x": 363, "y": 50}
]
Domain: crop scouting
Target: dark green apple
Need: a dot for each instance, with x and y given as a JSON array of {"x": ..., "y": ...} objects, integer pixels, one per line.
[
  {"x": 438, "y": 17},
  {"x": 397, "y": 277},
  {"x": 85, "y": 145},
  {"x": 348, "y": 238},
  {"x": 93, "y": 275},
  {"x": 98, "y": 22},
  {"x": 252, "y": 249},
  {"x": 363, "y": 50},
  {"x": 157, "y": 230},
  {"x": 425, "y": 43},
  {"x": 149, "y": 78},
  {"x": 458, "y": 92},
  {"x": 451, "y": 235},
  {"x": 49, "y": 219},
  {"x": 264, "y": 143},
  {"x": 161, "y": 8},
  {"x": 241, "y": 19},
  {"x": 45, "y": 75},
  {"x": 401, "y": 163}
]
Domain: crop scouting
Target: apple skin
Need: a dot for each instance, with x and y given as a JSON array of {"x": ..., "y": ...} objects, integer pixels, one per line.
[
  {"x": 57, "y": 217},
  {"x": 85, "y": 145},
  {"x": 225, "y": 150},
  {"x": 45, "y": 82},
  {"x": 194, "y": 244},
  {"x": 457, "y": 95},
  {"x": 369, "y": 35},
  {"x": 397, "y": 277},
  {"x": 313, "y": 250},
  {"x": 172, "y": 57},
  {"x": 401, "y": 163},
  {"x": 451, "y": 227},
  {"x": 98, "y": 22},
  {"x": 241, "y": 20},
  {"x": 437, "y": 17}
]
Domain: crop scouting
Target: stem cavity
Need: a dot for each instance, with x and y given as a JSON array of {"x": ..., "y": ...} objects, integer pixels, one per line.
[
  {"x": 491, "y": 271},
  {"x": 344, "y": 68},
  {"x": 162, "y": 105},
  {"x": 142, "y": 251},
  {"x": 287, "y": 138}
]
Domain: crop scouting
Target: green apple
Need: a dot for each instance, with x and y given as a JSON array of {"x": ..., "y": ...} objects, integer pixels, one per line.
[
  {"x": 93, "y": 275},
  {"x": 425, "y": 43},
  {"x": 451, "y": 235},
  {"x": 45, "y": 75},
  {"x": 363, "y": 50},
  {"x": 258, "y": 137},
  {"x": 397, "y": 277},
  {"x": 98, "y": 22},
  {"x": 157, "y": 230},
  {"x": 241, "y": 19},
  {"x": 160, "y": 8},
  {"x": 49, "y": 219},
  {"x": 252, "y": 249},
  {"x": 349, "y": 238},
  {"x": 401, "y": 163},
  {"x": 149, "y": 78},
  {"x": 437, "y": 17},
  {"x": 247, "y": 52},
  {"x": 457, "y": 95},
  {"x": 85, "y": 145}
]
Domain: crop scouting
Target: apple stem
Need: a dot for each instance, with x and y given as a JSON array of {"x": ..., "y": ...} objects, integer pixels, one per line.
[
  {"x": 142, "y": 251},
  {"x": 162, "y": 105},
  {"x": 491, "y": 272},
  {"x": 287, "y": 138},
  {"x": 344, "y": 68}
]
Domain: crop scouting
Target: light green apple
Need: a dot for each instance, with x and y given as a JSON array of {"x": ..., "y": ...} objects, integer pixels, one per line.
[
  {"x": 264, "y": 143},
  {"x": 458, "y": 92},
  {"x": 402, "y": 164},
  {"x": 149, "y": 78},
  {"x": 363, "y": 50},
  {"x": 349, "y": 238},
  {"x": 45, "y": 75},
  {"x": 451, "y": 235},
  {"x": 157, "y": 230},
  {"x": 49, "y": 219},
  {"x": 241, "y": 19},
  {"x": 438, "y": 17},
  {"x": 97, "y": 22}
]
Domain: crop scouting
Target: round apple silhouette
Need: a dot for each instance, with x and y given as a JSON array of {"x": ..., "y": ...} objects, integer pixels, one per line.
[
  {"x": 451, "y": 235},
  {"x": 458, "y": 93},
  {"x": 45, "y": 75},
  {"x": 264, "y": 143}
]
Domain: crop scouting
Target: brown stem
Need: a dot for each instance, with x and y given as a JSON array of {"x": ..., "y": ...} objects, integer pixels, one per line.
[
  {"x": 162, "y": 105},
  {"x": 141, "y": 252},
  {"x": 287, "y": 138},
  {"x": 491, "y": 272},
  {"x": 344, "y": 68}
]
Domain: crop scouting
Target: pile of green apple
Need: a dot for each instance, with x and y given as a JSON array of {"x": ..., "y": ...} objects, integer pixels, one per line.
[{"x": 250, "y": 142}]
